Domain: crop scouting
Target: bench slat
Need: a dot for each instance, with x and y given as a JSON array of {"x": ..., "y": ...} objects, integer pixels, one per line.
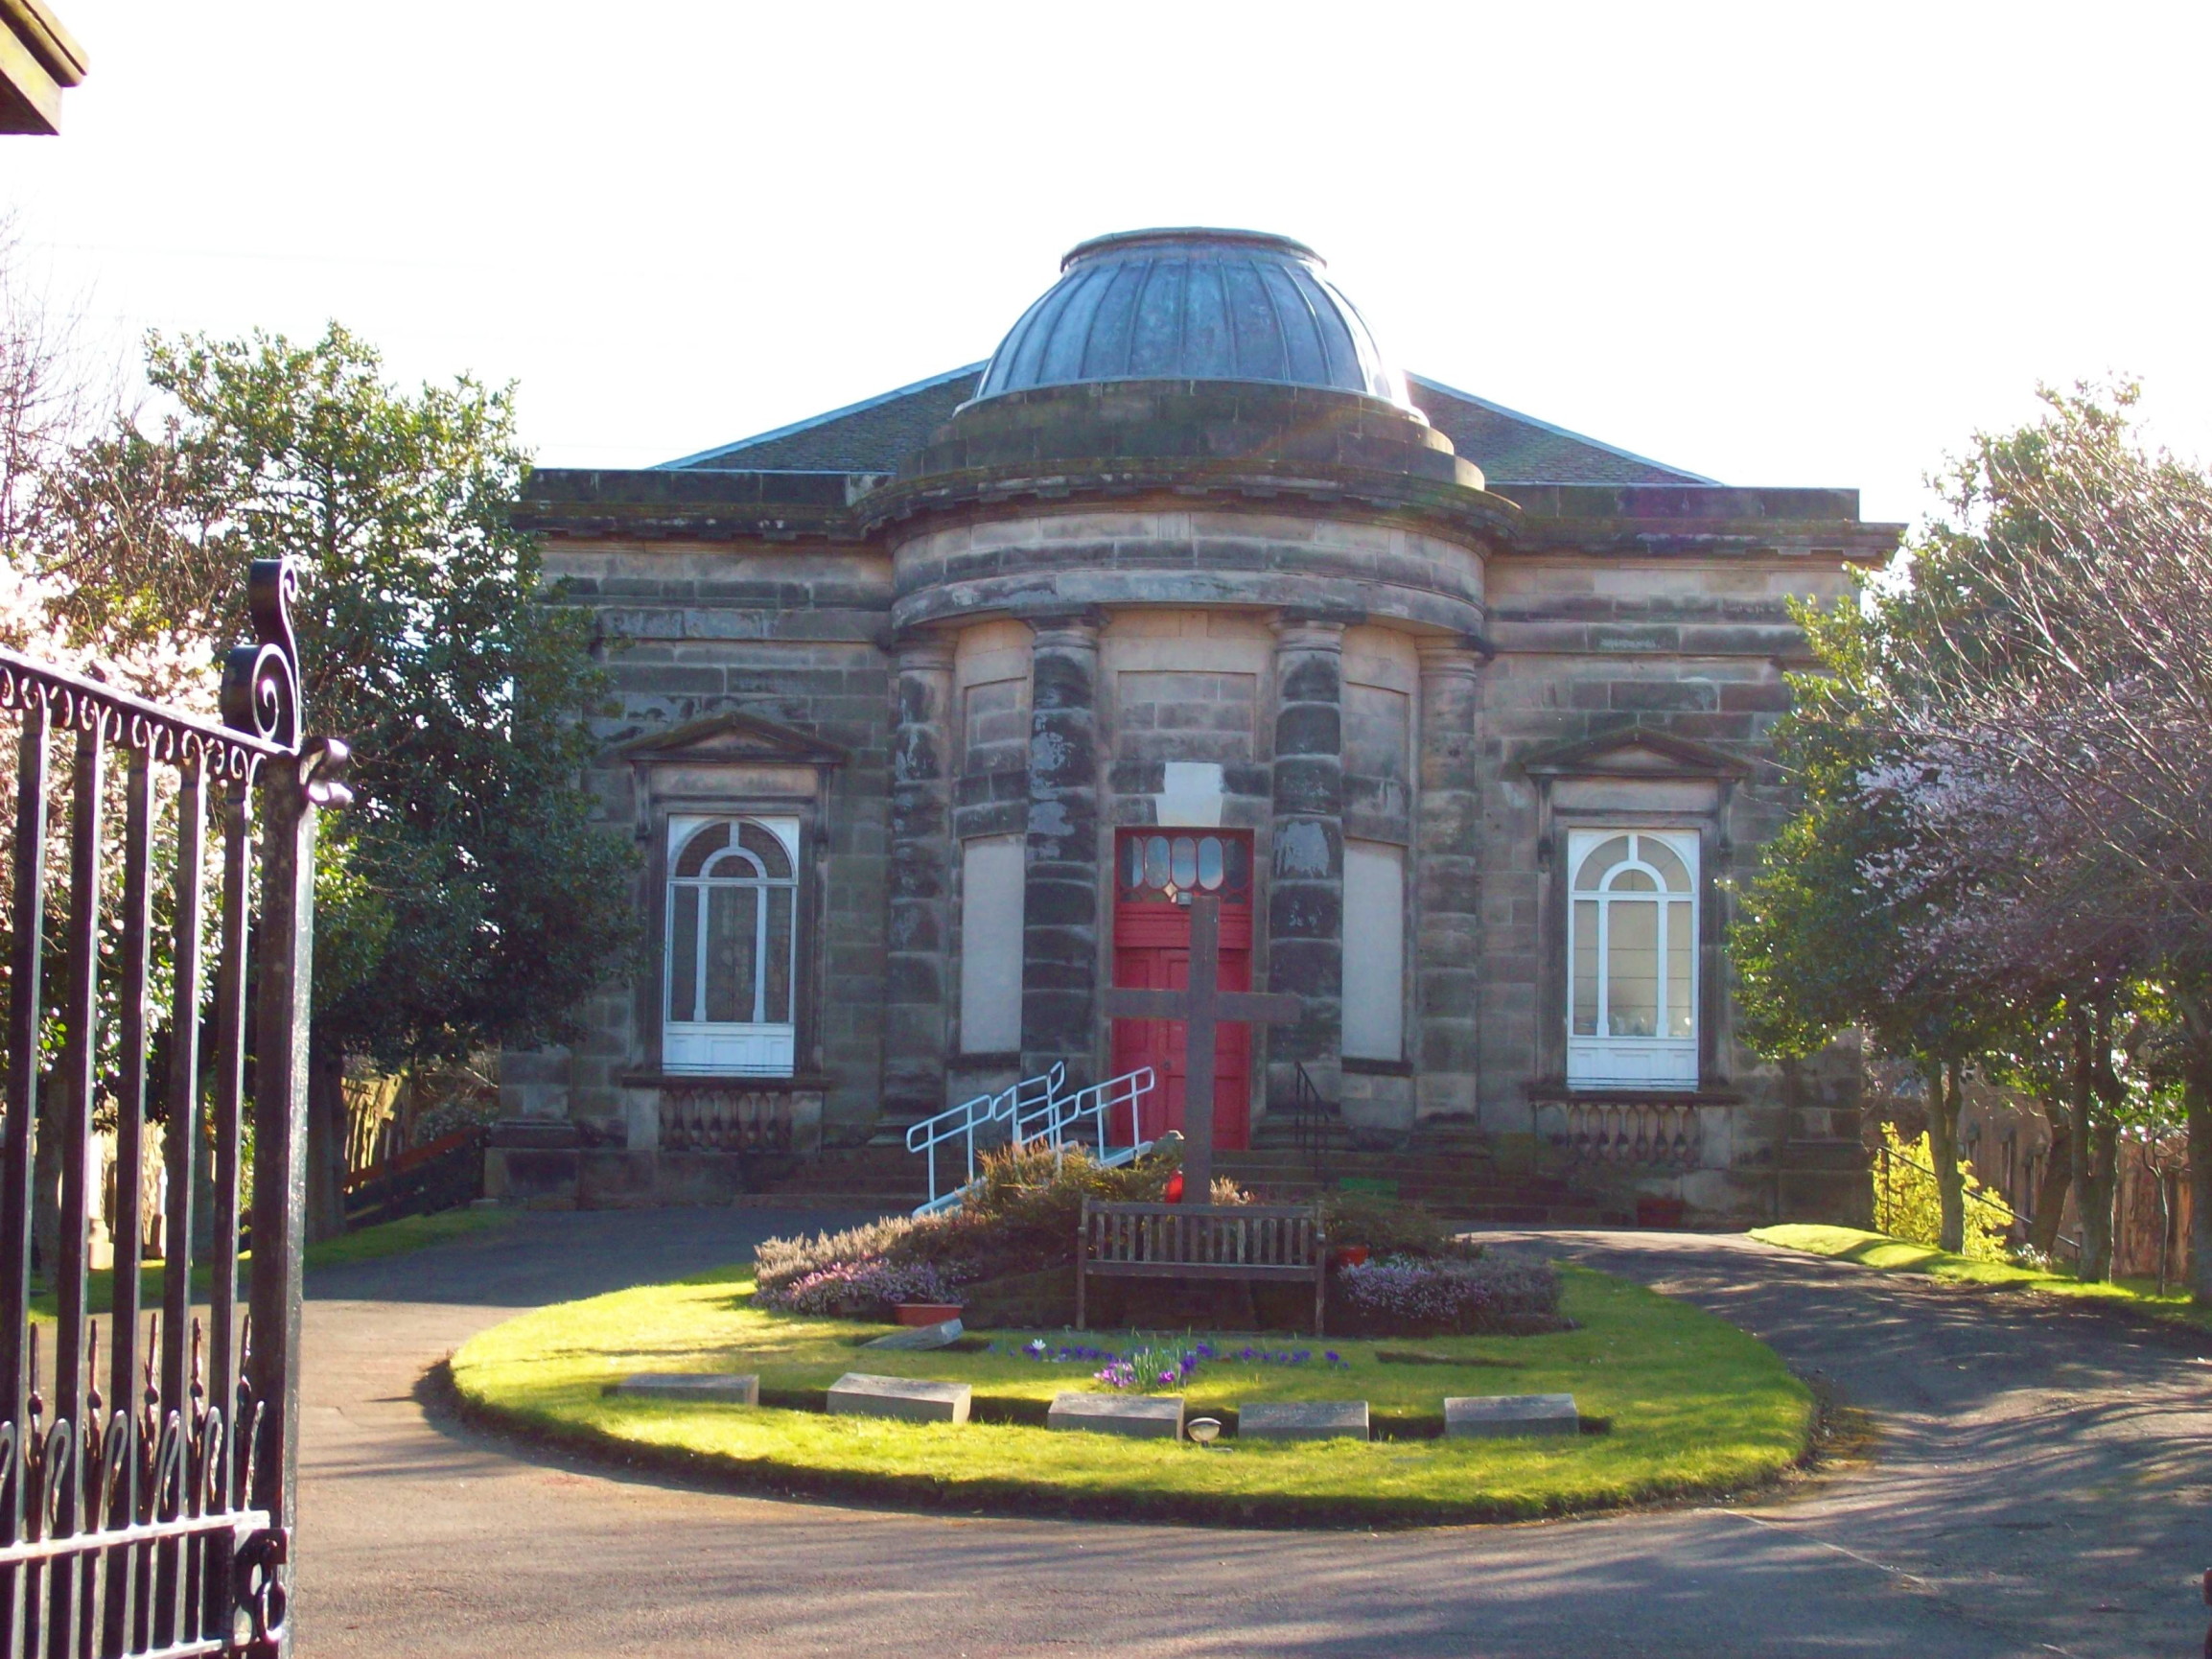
[{"x": 1253, "y": 1242}]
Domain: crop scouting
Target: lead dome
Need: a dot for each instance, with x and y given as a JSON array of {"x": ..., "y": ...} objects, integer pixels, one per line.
[{"x": 1194, "y": 304}]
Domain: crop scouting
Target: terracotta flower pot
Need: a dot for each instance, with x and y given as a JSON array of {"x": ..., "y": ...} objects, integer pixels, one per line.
[
  {"x": 1349, "y": 1256},
  {"x": 1654, "y": 1211},
  {"x": 926, "y": 1312}
]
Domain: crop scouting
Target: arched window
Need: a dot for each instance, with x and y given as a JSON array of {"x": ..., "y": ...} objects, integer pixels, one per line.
[
  {"x": 731, "y": 946},
  {"x": 1632, "y": 958}
]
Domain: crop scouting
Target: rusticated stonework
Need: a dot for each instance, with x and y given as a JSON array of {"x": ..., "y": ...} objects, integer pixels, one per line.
[{"x": 1409, "y": 667}]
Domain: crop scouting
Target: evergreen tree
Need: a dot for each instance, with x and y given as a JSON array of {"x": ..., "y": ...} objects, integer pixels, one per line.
[{"x": 464, "y": 900}]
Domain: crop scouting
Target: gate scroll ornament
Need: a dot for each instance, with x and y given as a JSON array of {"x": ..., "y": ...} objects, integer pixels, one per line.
[{"x": 154, "y": 1515}]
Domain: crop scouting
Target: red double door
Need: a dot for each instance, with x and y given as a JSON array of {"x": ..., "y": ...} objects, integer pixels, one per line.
[{"x": 1153, "y": 870}]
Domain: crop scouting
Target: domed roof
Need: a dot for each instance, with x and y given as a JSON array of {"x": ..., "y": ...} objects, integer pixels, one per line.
[{"x": 1224, "y": 305}]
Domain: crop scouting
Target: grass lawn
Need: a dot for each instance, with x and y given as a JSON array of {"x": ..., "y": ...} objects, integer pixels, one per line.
[
  {"x": 1886, "y": 1254},
  {"x": 1695, "y": 1407},
  {"x": 389, "y": 1238}
]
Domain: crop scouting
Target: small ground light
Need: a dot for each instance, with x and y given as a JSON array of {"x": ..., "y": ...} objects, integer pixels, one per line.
[{"x": 1204, "y": 1430}]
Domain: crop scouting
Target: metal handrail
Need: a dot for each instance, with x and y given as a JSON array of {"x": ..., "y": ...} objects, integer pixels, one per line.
[
  {"x": 1034, "y": 1112},
  {"x": 1308, "y": 1129},
  {"x": 962, "y": 1123},
  {"x": 1099, "y": 1102}
]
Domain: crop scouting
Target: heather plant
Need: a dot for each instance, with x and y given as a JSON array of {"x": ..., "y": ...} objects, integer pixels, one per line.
[
  {"x": 1020, "y": 1217},
  {"x": 866, "y": 1289},
  {"x": 779, "y": 1262},
  {"x": 1019, "y": 1220},
  {"x": 1025, "y": 1205},
  {"x": 1426, "y": 1295}
]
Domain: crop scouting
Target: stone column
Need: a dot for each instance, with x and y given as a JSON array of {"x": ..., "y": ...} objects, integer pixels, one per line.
[
  {"x": 1447, "y": 905},
  {"x": 1060, "y": 894},
  {"x": 915, "y": 958},
  {"x": 1306, "y": 885}
]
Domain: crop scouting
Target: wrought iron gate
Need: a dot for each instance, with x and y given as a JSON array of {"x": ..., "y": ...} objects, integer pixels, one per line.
[{"x": 146, "y": 1494}]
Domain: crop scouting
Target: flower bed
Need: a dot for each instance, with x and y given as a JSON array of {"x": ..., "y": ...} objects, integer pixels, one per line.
[
  {"x": 1408, "y": 1296},
  {"x": 1018, "y": 1230},
  {"x": 1695, "y": 1407},
  {"x": 864, "y": 1288}
]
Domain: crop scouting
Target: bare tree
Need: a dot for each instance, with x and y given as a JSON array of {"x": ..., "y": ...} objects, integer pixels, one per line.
[{"x": 2050, "y": 716}]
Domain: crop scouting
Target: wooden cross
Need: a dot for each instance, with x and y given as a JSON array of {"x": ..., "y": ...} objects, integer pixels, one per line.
[{"x": 1200, "y": 1008}]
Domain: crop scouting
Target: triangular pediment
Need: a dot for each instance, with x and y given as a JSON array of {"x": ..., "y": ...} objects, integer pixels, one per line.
[
  {"x": 728, "y": 738},
  {"x": 1634, "y": 753}
]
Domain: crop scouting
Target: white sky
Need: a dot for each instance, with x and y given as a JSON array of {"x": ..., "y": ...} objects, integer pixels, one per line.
[{"x": 1774, "y": 244}]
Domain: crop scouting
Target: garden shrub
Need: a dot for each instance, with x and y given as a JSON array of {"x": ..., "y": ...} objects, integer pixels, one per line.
[
  {"x": 1008, "y": 1250},
  {"x": 778, "y": 1261},
  {"x": 1388, "y": 1227},
  {"x": 861, "y": 1290},
  {"x": 1445, "y": 1296},
  {"x": 1907, "y": 1205},
  {"x": 1020, "y": 1218}
]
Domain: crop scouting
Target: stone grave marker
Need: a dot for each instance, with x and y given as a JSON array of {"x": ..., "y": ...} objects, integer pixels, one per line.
[
  {"x": 910, "y": 1399},
  {"x": 942, "y": 1335},
  {"x": 1303, "y": 1420},
  {"x": 1496, "y": 1416},
  {"x": 1143, "y": 1416},
  {"x": 743, "y": 1390}
]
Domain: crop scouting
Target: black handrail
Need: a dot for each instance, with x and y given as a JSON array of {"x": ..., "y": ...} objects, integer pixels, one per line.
[
  {"x": 1309, "y": 1122},
  {"x": 1981, "y": 1197}
]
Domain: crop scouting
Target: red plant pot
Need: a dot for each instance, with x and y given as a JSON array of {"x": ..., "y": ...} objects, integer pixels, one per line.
[
  {"x": 1175, "y": 1190},
  {"x": 926, "y": 1312},
  {"x": 1655, "y": 1212},
  {"x": 1350, "y": 1256}
]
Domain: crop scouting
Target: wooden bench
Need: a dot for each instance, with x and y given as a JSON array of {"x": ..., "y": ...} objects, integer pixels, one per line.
[{"x": 1265, "y": 1243}]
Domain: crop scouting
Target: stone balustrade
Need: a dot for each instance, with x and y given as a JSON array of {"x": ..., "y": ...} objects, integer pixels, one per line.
[
  {"x": 721, "y": 1116},
  {"x": 1655, "y": 1134}
]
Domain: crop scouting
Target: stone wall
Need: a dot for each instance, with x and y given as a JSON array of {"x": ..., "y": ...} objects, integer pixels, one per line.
[
  {"x": 1692, "y": 649},
  {"x": 691, "y": 631},
  {"x": 1055, "y": 674}
]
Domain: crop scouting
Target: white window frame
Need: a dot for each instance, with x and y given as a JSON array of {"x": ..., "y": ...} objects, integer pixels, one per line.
[
  {"x": 728, "y": 1048},
  {"x": 1603, "y": 1061}
]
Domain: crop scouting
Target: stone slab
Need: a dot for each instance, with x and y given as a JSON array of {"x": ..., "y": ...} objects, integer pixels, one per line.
[
  {"x": 1496, "y": 1416},
  {"x": 1143, "y": 1416},
  {"x": 910, "y": 1399},
  {"x": 1303, "y": 1420},
  {"x": 942, "y": 1335},
  {"x": 742, "y": 1389}
]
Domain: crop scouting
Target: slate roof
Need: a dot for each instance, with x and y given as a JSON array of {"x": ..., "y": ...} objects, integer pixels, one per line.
[
  {"x": 870, "y": 437},
  {"x": 1512, "y": 448},
  {"x": 875, "y": 435}
]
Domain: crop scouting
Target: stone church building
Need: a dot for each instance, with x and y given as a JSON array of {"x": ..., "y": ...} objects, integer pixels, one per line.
[{"x": 933, "y": 707}]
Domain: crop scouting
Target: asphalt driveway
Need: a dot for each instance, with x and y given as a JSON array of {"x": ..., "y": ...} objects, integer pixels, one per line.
[{"x": 2040, "y": 1482}]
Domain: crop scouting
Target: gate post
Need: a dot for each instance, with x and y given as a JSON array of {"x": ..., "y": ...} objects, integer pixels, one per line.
[{"x": 293, "y": 789}]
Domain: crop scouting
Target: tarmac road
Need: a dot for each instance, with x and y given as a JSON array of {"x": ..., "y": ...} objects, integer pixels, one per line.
[{"x": 2041, "y": 1482}]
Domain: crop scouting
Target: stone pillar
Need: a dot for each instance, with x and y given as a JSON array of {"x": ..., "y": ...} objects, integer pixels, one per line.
[
  {"x": 1306, "y": 884},
  {"x": 1060, "y": 894},
  {"x": 1447, "y": 887},
  {"x": 915, "y": 959}
]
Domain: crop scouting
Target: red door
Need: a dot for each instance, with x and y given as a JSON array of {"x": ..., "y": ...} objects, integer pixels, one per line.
[{"x": 1153, "y": 870}]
